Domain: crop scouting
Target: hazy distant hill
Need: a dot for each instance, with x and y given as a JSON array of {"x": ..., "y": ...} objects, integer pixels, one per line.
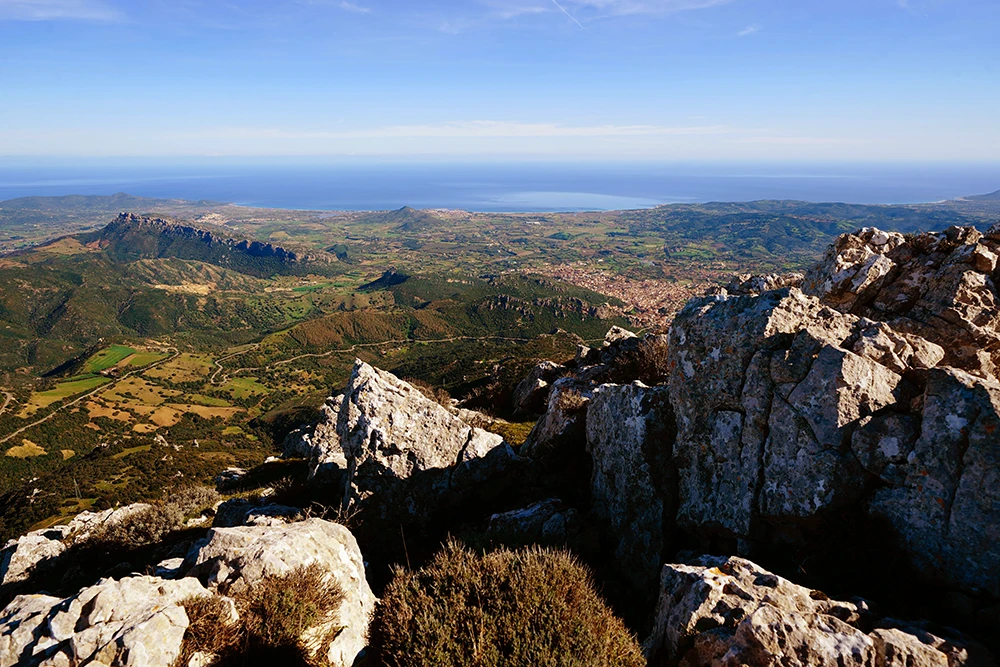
[
  {"x": 406, "y": 219},
  {"x": 77, "y": 203},
  {"x": 993, "y": 196}
]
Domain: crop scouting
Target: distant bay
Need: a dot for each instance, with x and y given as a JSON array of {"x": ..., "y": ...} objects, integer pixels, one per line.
[{"x": 504, "y": 186}]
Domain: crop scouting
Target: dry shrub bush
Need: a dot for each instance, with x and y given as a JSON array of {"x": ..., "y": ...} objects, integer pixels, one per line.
[
  {"x": 194, "y": 500},
  {"x": 274, "y": 614},
  {"x": 148, "y": 525},
  {"x": 528, "y": 608},
  {"x": 211, "y": 628},
  {"x": 570, "y": 401},
  {"x": 278, "y": 609},
  {"x": 648, "y": 361}
]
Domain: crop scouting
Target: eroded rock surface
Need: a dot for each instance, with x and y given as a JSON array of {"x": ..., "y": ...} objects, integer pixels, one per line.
[
  {"x": 132, "y": 622},
  {"x": 532, "y": 393},
  {"x": 727, "y": 611},
  {"x": 407, "y": 454},
  {"x": 938, "y": 286},
  {"x": 792, "y": 408},
  {"x": 231, "y": 559},
  {"x": 629, "y": 438},
  {"x": 22, "y": 555}
]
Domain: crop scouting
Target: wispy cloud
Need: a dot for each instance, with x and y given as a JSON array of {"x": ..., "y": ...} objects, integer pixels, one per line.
[
  {"x": 597, "y": 8},
  {"x": 507, "y": 13},
  {"x": 351, "y": 7},
  {"x": 749, "y": 30},
  {"x": 59, "y": 10},
  {"x": 619, "y": 7},
  {"x": 471, "y": 129}
]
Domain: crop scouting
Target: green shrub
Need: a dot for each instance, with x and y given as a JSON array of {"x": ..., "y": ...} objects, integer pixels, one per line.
[{"x": 532, "y": 608}]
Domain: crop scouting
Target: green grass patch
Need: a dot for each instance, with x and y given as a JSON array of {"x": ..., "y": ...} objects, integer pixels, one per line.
[
  {"x": 132, "y": 450},
  {"x": 310, "y": 288},
  {"x": 244, "y": 388},
  {"x": 232, "y": 430},
  {"x": 209, "y": 401},
  {"x": 66, "y": 389},
  {"x": 107, "y": 358},
  {"x": 140, "y": 359}
]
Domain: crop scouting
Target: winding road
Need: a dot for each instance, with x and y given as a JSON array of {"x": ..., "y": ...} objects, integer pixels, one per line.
[
  {"x": 98, "y": 390},
  {"x": 226, "y": 375},
  {"x": 318, "y": 355}
]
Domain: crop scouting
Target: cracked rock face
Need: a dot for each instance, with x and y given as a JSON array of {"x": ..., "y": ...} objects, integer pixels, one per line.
[
  {"x": 938, "y": 286},
  {"x": 132, "y": 622},
  {"x": 629, "y": 437},
  {"x": 22, "y": 555},
  {"x": 731, "y": 612},
  {"x": 404, "y": 452},
  {"x": 795, "y": 405}
]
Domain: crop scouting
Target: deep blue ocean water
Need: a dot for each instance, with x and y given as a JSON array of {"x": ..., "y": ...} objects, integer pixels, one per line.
[{"x": 366, "y": 185}]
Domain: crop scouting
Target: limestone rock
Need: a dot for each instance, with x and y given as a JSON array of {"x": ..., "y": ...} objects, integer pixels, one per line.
[
  {"x": 532, "y": 393},
  {"x": 730, "y": 612},
  {"x": 856, "y": 263},
  {"x": 788, "y": 410},
  {"x": 764, "y": 393},
  {"x": 240, "y": 512},
  {"x": 547, "y": 522},
  {"x": 132, "y": 622},
  {"x": 564, "y": 422},
  {"x": 617, "y": 334},
  {"x": 630, "y": 432},
  {"x": 947, "y": 506},
  {"x": 22, "y": 555},
  {"x": 405, "y": 453},
  {"x": 939, "y": 286},
  {"x": 229, "y": 479},
  {"x": 231, "y": 559},
  {"x": 746, "y": 284}
]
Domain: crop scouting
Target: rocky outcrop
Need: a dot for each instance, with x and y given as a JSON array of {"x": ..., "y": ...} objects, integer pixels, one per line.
[
  {"x": 791, "y": 411},
  {"x": 563, "y": 425},
  {"x": 132, "y": 622},
  {"x": 548, "y": 522},
  {"x": 243, "y": 512},
  {"x": 532, "y": 393},
  {"x": 320, "y": 444},
  {"x": 407, "y": 455},
  {"x": 20, "y": 557},
  {"x": 231, "y": 559},
  {"x": 730, "y": 612},
  {"x": 940, "y": 287},
  {"x": 629, "y": 438},
  {"x": 129, "y": 237}
]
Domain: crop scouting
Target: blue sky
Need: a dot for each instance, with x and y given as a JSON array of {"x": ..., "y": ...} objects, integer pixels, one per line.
[{"x": 858, "y": 80}]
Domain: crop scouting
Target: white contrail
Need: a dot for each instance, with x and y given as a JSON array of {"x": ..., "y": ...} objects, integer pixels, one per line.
[{"x": 563, "y": 10}]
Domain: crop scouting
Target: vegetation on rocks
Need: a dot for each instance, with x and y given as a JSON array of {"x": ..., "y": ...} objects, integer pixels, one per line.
[
  {"x": 274, "y": 617},
  {"x": 533, "y": 607}
]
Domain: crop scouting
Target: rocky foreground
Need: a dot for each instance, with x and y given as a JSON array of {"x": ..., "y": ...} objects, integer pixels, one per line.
[{"x": 838, "y": 429}]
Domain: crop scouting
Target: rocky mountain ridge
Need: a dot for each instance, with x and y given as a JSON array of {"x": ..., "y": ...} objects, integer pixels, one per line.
[
  {"x": 838, "y": 428},
  {"x": 130, "y": 237}
]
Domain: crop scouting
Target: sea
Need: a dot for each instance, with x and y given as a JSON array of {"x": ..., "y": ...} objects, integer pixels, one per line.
[{"x": 491, "y": 186}]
